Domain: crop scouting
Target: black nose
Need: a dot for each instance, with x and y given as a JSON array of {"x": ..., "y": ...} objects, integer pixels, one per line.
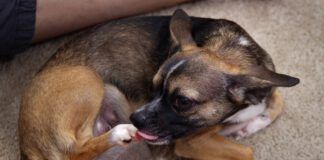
[{"x": 138, "y": 119}]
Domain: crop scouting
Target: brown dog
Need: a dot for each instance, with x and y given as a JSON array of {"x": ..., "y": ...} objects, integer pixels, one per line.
[{"x": 193, "y": 77}]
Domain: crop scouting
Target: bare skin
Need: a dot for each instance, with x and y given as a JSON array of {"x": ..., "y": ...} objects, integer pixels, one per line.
[{"x": 57, "y": 17}]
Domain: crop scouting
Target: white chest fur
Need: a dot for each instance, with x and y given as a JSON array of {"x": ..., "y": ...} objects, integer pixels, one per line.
[{"x": 248, "y": 113}]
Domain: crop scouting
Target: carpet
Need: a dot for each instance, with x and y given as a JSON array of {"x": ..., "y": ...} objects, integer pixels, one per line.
[{"x": 291, "y": 31}]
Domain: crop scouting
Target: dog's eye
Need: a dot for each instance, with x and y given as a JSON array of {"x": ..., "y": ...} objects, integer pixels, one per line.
[{"x": 182, "y": 103}]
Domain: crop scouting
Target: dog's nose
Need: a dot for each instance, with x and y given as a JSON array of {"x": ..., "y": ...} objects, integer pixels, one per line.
[{"x": 138, "y": 119}]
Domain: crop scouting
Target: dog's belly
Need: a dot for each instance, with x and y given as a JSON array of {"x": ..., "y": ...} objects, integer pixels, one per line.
[
  {"x": 102, "y": 125},
  {"x": 114, "y": 110}
]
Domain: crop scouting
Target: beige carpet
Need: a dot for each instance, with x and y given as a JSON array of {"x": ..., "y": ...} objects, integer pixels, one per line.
[{"x": 292, "y": 31}]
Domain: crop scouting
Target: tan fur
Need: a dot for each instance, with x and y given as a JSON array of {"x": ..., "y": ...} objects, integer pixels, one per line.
[
  {"x": 275, "y": 105},
  {"x": 223, "y": 64},
  {"x": 191, "y": 93},
  {"x": 207, "y": 145},
  {"x": 58, "y": 112}
]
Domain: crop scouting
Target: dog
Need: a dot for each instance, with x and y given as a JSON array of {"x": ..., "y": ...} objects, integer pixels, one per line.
[{"x": 180, "y": 75}]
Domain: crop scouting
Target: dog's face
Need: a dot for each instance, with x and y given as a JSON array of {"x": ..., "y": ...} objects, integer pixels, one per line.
[
  {"x": 196, "y": 88},
  {"x": 190, "y": 94}
]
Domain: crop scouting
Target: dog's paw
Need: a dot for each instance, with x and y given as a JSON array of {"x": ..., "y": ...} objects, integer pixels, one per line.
[
  {"x": 122, "y": 134},
  {"x": 247, "y": 128}
]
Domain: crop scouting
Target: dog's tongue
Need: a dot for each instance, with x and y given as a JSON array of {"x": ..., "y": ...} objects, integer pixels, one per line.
[{"x": 146, "y": 136}]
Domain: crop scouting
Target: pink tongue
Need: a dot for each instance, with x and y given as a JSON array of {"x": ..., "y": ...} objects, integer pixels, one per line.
[{"x": 146, "y": 136}]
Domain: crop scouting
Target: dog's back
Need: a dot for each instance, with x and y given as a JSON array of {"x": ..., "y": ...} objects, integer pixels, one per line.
[{"x": 127, "y": 53}]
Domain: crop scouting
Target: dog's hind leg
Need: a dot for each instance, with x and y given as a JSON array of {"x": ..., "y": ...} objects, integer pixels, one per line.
[
  {"x": 107, "y": 129},
  {"x": 118, "y": 135}
]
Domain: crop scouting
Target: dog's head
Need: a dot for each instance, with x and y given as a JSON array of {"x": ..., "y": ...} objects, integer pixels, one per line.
[{"x": 199, "y": 86}]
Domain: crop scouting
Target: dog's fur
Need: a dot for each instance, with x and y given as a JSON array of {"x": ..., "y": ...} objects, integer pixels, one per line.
[{"x": 96, "y": 81}]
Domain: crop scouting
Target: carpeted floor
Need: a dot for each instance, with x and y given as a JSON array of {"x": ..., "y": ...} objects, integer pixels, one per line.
[{"x": 292, "y": 31}]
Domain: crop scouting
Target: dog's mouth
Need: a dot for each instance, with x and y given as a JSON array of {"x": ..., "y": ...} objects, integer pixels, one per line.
[{"x": 153, "y": 139}]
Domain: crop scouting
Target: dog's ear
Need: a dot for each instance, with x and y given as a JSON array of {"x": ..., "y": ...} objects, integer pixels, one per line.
[
  {"x": 180, "y": 30},
  {"x": 251, "y": 88}
]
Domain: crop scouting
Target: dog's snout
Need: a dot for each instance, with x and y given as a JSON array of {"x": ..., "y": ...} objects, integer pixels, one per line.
[
  {"x": 145, "y": 114},
  {"x": 138, "y": 119}
]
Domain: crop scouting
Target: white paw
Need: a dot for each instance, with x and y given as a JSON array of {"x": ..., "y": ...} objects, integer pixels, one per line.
[
  {"x": 122, "y": 133},
  {"x": 245, "y": 129},
  {"x": 247, "y": 113}
]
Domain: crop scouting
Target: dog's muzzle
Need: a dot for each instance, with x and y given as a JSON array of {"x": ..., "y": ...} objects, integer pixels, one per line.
[{"x": 158, "y": 123}]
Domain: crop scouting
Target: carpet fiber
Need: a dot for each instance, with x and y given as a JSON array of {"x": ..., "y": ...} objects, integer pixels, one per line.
[{"x": 292, "y": 31}]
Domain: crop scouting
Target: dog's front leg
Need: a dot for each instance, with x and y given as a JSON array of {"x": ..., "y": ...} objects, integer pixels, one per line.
[
  {"x": 208, "y": 145},
  {"x": 271, "y": 113},
  {"x": 120, "y": 134}
]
